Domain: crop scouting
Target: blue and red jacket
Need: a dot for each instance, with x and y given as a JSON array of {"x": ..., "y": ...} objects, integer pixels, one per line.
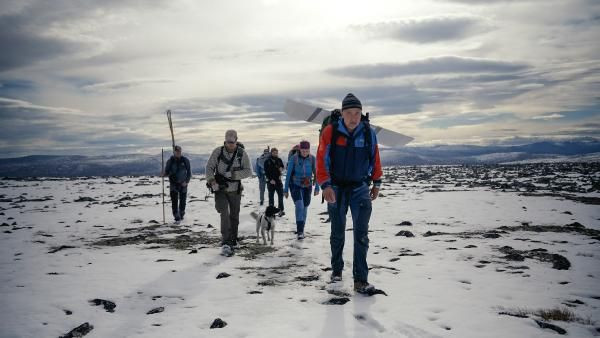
[
  {"x": 300, "y": 172},
  {"x": 351, "y": 163}
]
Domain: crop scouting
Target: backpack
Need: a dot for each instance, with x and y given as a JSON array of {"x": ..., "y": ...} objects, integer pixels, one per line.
[
  {"x": 221, "y": 180},
  {"x": 238, "y": 155}
]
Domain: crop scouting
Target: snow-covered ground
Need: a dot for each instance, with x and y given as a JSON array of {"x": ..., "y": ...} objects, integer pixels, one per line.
[{"x": 451, "y": 280}]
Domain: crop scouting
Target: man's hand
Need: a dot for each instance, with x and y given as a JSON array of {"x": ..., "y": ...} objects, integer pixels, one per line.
[
  {"x": 286, "y": 195},
  {"x": 374, "y": 193},
  {"x": 162, "y": 173},
  {"x": 184, "y": 184},
  {"x": 272, "y": 181},
  {"x": 227, "y": 174},
  {"x": 329, "y": 195},
  {"x": 215, "y": 186}
]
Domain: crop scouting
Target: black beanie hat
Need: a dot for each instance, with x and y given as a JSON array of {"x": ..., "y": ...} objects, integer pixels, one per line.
[{"x": 351, "y": 101}]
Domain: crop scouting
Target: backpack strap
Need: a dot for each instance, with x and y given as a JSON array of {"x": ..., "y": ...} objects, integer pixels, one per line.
[{"x": 333, "y": 145}]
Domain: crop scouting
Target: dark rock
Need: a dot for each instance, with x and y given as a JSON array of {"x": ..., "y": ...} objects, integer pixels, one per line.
[
  {"x": 108, "y": 305},
  {"x": 431, "y": 233},
  {"x": 560, "y": 262},
  {"x": 194, "y": 251},
  {"x": 470, "y": 246},
  {"x": 337, "y": 301},
  {"x": 568, "y": 213},
  {"x": 514, "y": 257},
  {"x": 163, "y": 260},
  {"x": 218, "y": 324},
  {"x": 255, "y": 292},
  {"x": 575, "y": 225},
  {"x": 513, "y": 314},
  {"x": 156, "y": 310},
  {"x": 491, "y": 235},
  {"x": 373, "y": 291},
  {"x": 223, "y": 275},
  {"x": 544, "y": 325},
  {"x": 405, "y": 223},
  {"x": 62, "y": 247},
  {"x": 405, "y": 233},
  {"x": 308, "y": 278},
  {"x": 68, "y": 312},
  {"x": 394, "y": 259},
  {"x": 85, "y": 199},
  {"x": 79, "y": 331},
  {"x": 4, "y": 225}
]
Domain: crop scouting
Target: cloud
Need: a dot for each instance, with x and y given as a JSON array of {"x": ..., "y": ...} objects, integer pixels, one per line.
[
  {"x": 467, "y": 119},
  {"x": 23, "y": 46},
  {"x": 427, "y": 29},
  {"x": 434, "y": 65},
  {"x": 119, "y": 85},
  {"x": 41, "y": 30},
  {"x": 548, "y": 117}
]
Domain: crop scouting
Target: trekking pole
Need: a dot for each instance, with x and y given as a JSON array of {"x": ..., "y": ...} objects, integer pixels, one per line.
[
  {"x": 162, "y": 169},
  {"x": 171, "y": 127}
]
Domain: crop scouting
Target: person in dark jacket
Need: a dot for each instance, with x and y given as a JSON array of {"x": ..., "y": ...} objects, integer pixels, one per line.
[
  {"x": 179, "y": 171},
  {"x": 347, "y": 162},
  {"x": 273, "y": 169}
]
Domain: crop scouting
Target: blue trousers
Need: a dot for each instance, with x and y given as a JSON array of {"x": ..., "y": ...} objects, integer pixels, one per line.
[
  {"x": 301, "y": 197},
  {"x": 261, "y": 187},
  {"x": 359, "y": 202}
]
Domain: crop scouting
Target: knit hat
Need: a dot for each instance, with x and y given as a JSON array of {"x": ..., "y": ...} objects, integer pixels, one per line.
[
  {"x": 351, "y": 101},
  {"x": 304, "y": 145},
  {"x": 231, "y": 135},
  {"x": 177, "y": 148}
]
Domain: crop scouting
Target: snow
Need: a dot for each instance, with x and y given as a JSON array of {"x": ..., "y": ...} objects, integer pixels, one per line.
[{"x": 439, "y": 294}]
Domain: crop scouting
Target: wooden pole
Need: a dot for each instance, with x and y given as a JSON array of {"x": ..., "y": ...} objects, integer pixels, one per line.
[{"x": 162, "y": 172}]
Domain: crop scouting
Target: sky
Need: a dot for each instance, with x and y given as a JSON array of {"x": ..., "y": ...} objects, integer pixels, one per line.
[{"x": 96, "y": 77}]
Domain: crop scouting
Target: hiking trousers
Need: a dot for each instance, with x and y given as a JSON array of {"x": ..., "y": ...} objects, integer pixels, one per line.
[
  {"x": 277, "y": 187},
  {"x": 301, "y": 197},
  {"x": 228, "y": 206},
  {"x": 359, "y": 202},
  {"x": 178, "y": 199}
]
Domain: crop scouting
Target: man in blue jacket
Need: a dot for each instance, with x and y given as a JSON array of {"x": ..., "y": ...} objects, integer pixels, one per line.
[
  {"x": 260, "y": 173},
  {"x": 347, "y": 163},
  {"x": 180, "y": 173}
]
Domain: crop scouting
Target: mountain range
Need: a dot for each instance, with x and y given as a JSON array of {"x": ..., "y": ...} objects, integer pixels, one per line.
[{"x": 143, "y": 164}]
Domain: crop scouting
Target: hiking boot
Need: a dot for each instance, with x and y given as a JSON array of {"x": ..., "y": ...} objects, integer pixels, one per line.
[
  {"x": 300, "y": 235},
  {"x": 363, "y": 287},
  {"x": 226, "y": 251},
  {"x": 262, "y": 203},
  {"x": 336, "y": 277},
  {"x": 281, "y": 213}
]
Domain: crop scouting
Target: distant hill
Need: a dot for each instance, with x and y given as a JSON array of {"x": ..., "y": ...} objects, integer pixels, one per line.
[
  {"x": 470, "y": 154},
  {"x": 140, "y": 164}
]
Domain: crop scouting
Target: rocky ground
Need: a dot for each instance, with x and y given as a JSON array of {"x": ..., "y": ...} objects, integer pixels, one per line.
[{"x": 465, "y": 251}]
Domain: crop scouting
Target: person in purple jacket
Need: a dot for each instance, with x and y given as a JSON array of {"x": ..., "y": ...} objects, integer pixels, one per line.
[{"x": 300, "y": 178}]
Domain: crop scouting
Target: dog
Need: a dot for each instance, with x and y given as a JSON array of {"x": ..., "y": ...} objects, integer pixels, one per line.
[{"x": 265, "y": 222}]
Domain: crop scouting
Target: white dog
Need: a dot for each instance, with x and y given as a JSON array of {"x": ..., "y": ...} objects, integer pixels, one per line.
[{"x": 265, "y": 222}]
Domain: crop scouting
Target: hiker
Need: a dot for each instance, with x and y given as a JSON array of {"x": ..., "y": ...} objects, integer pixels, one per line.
[
  {"x": 179, "y": 171},
  {"x": 347, "y": 161},
  {"x": 273, "y": 170},
  {"x": 300, "y": 178},
  {"x": 260, "y": 173},
  {"x": 226, "y": 167}
]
